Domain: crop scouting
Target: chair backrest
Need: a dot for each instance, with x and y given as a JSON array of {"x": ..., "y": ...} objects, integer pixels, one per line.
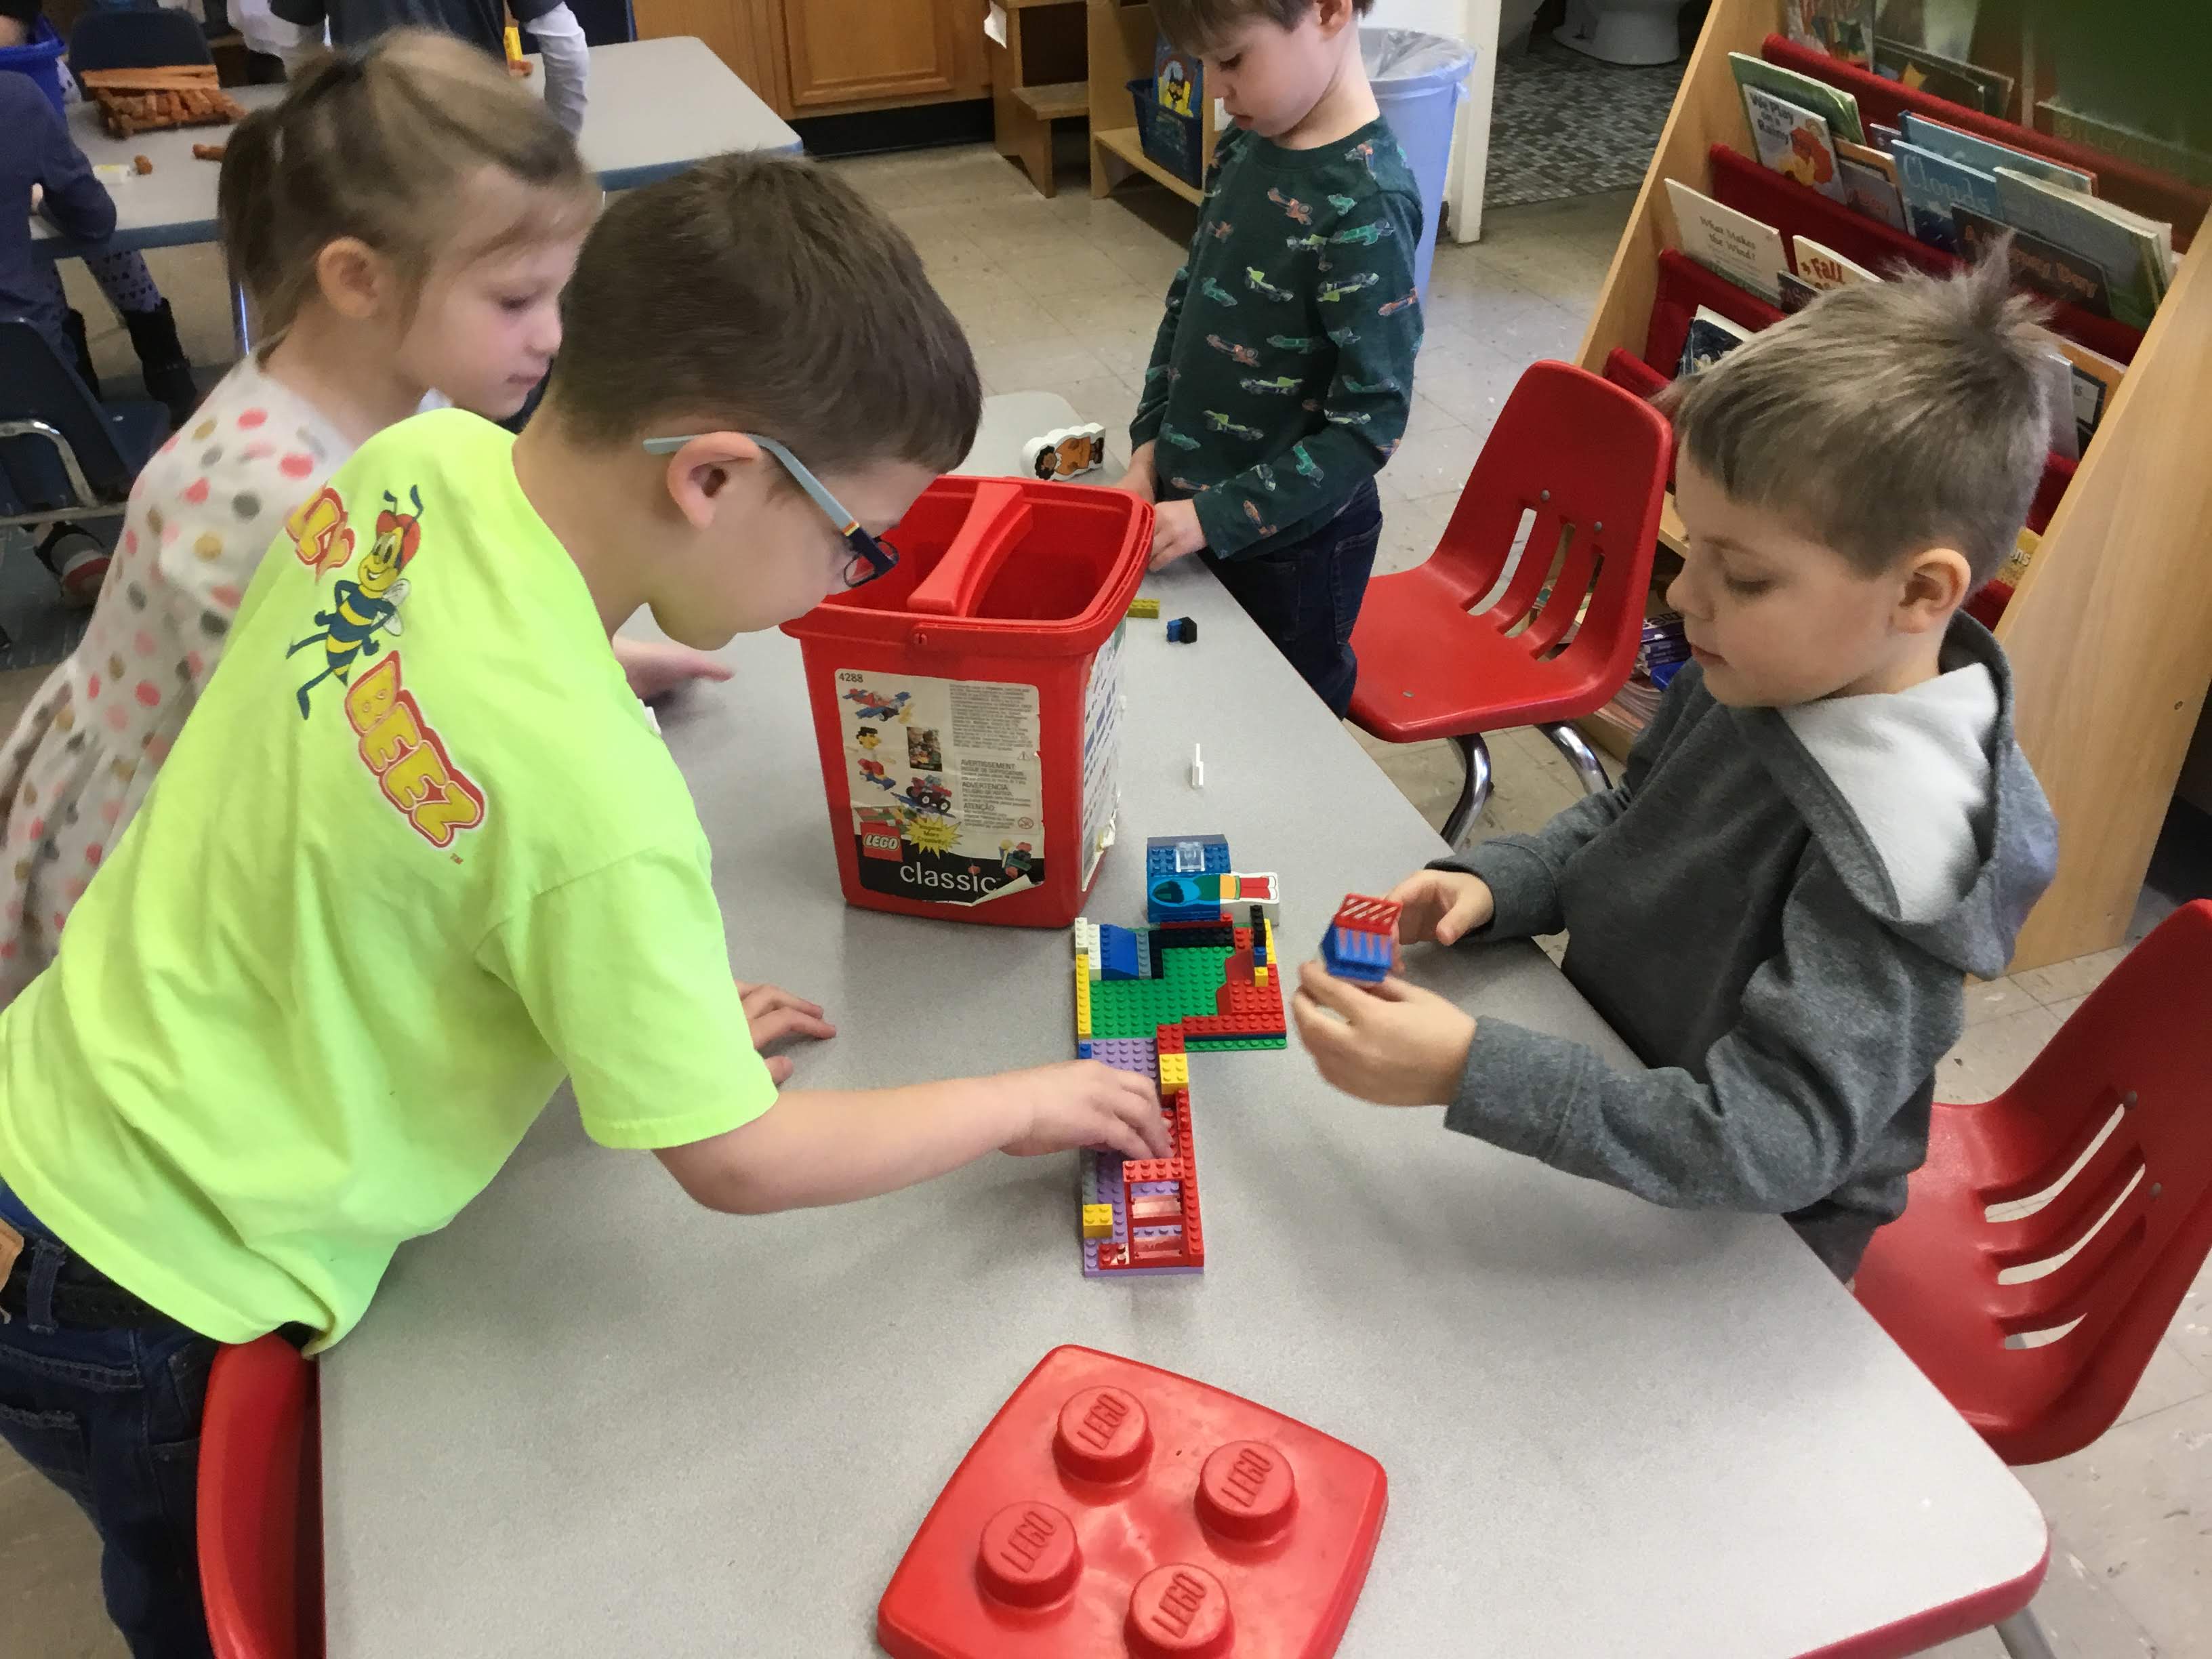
[
  {"x": 261, "y": 1504},
  {"x": 150, "y": 38},
  {"x": 2064, "y": 1221},
  {"x": 36, "y": 384},
  {"x": 1584, "y": 463}
]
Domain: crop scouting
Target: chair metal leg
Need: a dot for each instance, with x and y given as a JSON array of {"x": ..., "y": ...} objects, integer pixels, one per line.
[
  {"x": 2023, "y": 1638},
  {"x": 1580, "y": 756},
  {"x": 1474, "y": 793}
]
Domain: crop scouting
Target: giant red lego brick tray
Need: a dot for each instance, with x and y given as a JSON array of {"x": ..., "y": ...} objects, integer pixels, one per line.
[{"x": 1114, "y": 1511}]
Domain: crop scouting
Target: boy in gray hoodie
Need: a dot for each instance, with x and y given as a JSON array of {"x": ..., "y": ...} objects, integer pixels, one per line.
[{"x": 1827, "y": 826}]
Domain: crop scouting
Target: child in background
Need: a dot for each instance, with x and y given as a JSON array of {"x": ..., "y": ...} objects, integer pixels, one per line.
[
  {"x": 1283, "y": 372},
  {"x": 404, "y": 219},
  {"x": 419, "y": 854},
  {"x": 296, "y": 29},
  {"x": 1826, "y": 827}
]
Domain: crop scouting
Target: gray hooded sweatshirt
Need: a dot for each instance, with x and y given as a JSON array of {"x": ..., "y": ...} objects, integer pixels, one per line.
[{"x": 1775, "y": 909}]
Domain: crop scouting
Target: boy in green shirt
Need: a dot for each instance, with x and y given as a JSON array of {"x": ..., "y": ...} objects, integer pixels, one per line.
[
  {"x": 1283, "y": 372},
  {"x": 419, "y": 854}
]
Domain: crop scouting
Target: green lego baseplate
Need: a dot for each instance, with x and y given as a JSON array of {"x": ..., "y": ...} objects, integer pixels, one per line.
[{"x": 1139, "y": 1007}]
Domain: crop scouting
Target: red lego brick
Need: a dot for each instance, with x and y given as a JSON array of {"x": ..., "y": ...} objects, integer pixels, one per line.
[
  {"x": 1168, "y": 1039},
  {"x": 1115, "y": 1510},
  {"x": 1151, "y": 1168},
  {"x": 1367, "y": 915},
  {"x": 1157, "y": 1210}
]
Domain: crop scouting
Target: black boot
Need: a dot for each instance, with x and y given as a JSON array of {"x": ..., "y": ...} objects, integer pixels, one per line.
[
  {"x": 81, "y": 349},
  {"x": 162, "y": 354}
]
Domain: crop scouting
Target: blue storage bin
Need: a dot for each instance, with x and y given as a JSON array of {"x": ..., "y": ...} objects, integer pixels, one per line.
[
  {"x": 1169, "y": 138},
  {"x": 39, "y": 57}
]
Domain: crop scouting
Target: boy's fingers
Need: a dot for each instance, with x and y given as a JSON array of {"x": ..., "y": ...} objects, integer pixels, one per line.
[
  {"x": 1338, "y": 996},
  {"x": 765, "y": 999},
  {"x": 779, "y": 1023},
  {"x": 779, "y": 1069},
  {"x": 1324, "y": 1038},
  {"x": 1392, "y": 989},
  {"x": 1458, "y": 920}
]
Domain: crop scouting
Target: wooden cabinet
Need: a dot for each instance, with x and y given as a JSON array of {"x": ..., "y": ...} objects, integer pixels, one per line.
[{"x": 836, "y": 57}]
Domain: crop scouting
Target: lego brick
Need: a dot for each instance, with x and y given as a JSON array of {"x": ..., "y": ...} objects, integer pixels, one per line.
[
  {"x": 1227, "y": 1045},
  {"x": 1182, "y": 630},
  {"x": 1173, "y": 1071},
  {"x": 1083, "y": 1049},
  {"x": 1098, "y": 1219},
  {"x": 1260, "y": 974},
  {"x": 1356, "y": 954},
  {"x": 1148, "y": 608},
  {"x": 1367, "y": 915},
  {"x": 1168, "y": 1040},
  {"x": 1117, "y": 953}
]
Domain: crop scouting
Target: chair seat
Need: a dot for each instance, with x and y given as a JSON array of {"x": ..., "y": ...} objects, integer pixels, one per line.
[{"x": 1428, "y": 668}]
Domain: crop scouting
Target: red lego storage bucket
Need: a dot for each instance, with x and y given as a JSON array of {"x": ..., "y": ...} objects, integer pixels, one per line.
[{"x": 968, "y": 705}]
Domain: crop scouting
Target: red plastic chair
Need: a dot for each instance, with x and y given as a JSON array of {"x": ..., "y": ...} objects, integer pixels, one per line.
[
  {"x": 2055, "y": 1229},
  {"x": 261, "y": 1505},
  {"x": 1590, "y": 461}
]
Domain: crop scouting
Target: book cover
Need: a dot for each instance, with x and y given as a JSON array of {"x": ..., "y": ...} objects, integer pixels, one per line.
[
  {"x": 1870, "y": 184},
  {"x": 1794, "y": 142},
  {"x": 1711, "y": 337},
  {"x": 1933, "y": 184},
  {"x": 1939, "y": 77},
  {"x": 1177, "y": 77},
  {"x": 2063, "y": 436},
  {"x": 1832, "y": 103},
  {"x": 1796, "y": 292},
  {"x": 1745, "y": 250},
  {"x": 1825, "y": 268},
  {"x": 1881, "y": 137},
  {"x": 1944, "y": 26},
  {"x": 2096, "y": 378},
  {"x": 2135, "y": 254},
  {"x": 1842, "y": 28},
  {"x": 1988, "y": 156},
  {"x": 2159, "y": 154},
  {"x": 2043, "y": 266}
]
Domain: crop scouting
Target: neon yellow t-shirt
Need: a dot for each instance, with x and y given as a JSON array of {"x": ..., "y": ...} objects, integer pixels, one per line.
[{"x": 416, "y": 855}]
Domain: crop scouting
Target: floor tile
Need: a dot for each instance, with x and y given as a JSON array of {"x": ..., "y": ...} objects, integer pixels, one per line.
[
  {"x": 2064, "y": 982},
  {"x": 1032, "y": 365},
  {"x": 2168, "y": 1381},
  {"x": 1989, "y": 1058},
  {"x": 1994, "y": 999}
]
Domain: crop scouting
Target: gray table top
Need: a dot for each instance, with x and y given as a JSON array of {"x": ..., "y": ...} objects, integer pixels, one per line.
[
  {"x": 656, "y": 108},
  {"x": 591, "y": 1417}
]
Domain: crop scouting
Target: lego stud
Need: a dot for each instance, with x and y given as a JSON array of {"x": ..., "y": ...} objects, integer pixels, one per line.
[
  {"x": 1028, "y": 1556},
  {"x": 1246, "y": 1492},
  {"x": 1103, "y": 1436},
  {"x": 1179, "y": 1612}
]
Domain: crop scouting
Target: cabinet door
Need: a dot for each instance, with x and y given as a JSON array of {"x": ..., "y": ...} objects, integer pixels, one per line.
[
  {"x": 866, "y": 51},
  {"x": 731, "y": 29}
]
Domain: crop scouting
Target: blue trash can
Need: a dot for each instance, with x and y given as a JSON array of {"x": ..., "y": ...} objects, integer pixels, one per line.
[
  {"x": 1418, "y": 81},
  {"x": 40, "y": 58}
]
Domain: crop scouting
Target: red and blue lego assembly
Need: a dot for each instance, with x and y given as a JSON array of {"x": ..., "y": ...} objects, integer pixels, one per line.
[
  {"x": 1146, "y": 999},
  {"x": 1362, "y": 942},
  {"x": 1117, "y": 1511}
]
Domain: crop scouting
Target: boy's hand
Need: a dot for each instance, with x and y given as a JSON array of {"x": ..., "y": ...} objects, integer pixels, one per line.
[
  {"x": 1441, "y": 905},
  {"x": 1176, "y": 533},
  {"x": 772, "y": 1014},
  {"x": 1395, "y": 1045},
  {"x": 656, "y": 667},
  {"x": 1082, "y": 1103},
  {"x": 1142, "y": 480}
]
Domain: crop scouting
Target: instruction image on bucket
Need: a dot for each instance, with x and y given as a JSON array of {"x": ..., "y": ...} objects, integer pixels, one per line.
[{"x": 963, "y": 821}]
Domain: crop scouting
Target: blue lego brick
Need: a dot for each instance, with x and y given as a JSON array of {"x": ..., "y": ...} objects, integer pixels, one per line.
[
  {"x": 1083, "y": 1048},
  {"x": 1117, "y": 953},
  {"x": 1160, "y": 856},
  {"x": 1350, "y": 953}
]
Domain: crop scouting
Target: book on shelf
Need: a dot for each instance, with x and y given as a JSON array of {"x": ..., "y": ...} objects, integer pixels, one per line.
[
  {"x": 1823, "y": 268},
  {"x": 2192, "y": 166},
  {"x": 2014, "y": 570},
  {"x": 1870, "y": 183},
  {"x": 2064, "y": 433},
  {"x": 1747, "y": 251},
  {"x": 1941, "y": 26},
  {"x": 1933, "y": 184},
  {"x": 1711, "y": 337},
  {"x": 1988, "y": 156},
  {"x": 1796, "y": 293},
  {"x": 1842, "y": 28},
  {"x": 1952, "y": 78},
  {"x": 1793, "y": 142},
  {"x": 2134, "y": 253},
  {"x": 1881, "y": 137},
  {"x": 2041, "y": 266},
  {"x": 1832, "y": 103},
  {"x": 2095, "y": 379}
]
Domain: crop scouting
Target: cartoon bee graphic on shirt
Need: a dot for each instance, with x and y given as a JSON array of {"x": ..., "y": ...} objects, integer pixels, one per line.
[{"x": 363, "y": 607}]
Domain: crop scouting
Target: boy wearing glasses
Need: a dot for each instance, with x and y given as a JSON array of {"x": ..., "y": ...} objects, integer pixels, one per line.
[{"x": 419, "y": 854}]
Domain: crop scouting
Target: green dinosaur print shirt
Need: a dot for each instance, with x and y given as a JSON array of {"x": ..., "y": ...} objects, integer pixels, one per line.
[{"x": 1284, "y": 369}]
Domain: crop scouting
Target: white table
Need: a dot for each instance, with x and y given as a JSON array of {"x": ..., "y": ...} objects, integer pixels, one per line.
[
  {"x": 591, "y": 1418},
  {"x": 656, "y": 108}
]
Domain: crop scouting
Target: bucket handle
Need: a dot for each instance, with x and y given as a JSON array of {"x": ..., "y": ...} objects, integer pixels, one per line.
[{"x": 997, "y": 518}]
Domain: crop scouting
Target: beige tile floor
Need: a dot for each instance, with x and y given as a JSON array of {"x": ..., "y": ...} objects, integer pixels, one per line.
[{"x": 1062, "y": 296}]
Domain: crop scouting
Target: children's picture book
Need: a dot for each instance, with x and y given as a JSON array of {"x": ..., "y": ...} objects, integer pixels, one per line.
[
  {"x": 1881, "y": 137},
  {"x": 2064, "y": 437},
  {"x": 1794, "y": 142},
  {"x": 2043, "y": 266},
  {"x": 1870, "y": 183},
  {"x": 2159, "y": 154},
  {"x": 1796, "y": 292},
  {"x": 1832, "y": 103},
  {"x": 1745, "y": 250},
  {"x": 1176, "y": 76},
  {"x": 1988, "y": 156},
  {"x": 1825, "y": 268},
  {"x": 2096, "y": 378},
  {"x": 1940, "y": 77},
  {"x": 1944, "y": 26},
  {"x": 1933, "y": 184},
  {"x": 1711, "y": 337},
  {"x": 2134, "y": 253},
  {"x": 1842, "y": 28}
]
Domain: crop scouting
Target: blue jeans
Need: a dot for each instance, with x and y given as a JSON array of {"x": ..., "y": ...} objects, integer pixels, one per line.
[
  {"x": 113, "y": 1418},
  {"x": 1305, "y": 593}
]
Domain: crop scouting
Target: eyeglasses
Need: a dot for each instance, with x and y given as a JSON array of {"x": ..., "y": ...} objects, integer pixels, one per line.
[{"x": 871, "y": 558}]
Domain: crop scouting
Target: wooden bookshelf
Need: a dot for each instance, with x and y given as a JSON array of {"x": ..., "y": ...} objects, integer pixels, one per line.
[
  {"x": 1122, "y": 39},
  {"x": 2111, "y": 634}
]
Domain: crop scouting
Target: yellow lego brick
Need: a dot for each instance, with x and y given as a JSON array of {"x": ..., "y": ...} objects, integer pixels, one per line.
[
  {"x": 1269, "y": 923},
  {"x": 1098, "y": 1221},
  {"x": 1260, "y": 976},
  {"x": 1174, "y": 1071},
  {"x": 1143, "y": 607}
]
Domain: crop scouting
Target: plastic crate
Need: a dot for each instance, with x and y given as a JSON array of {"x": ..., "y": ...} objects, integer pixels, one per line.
[{"x": 1167, "y": 138}]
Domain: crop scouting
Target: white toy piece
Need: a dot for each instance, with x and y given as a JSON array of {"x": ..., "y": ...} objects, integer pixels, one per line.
[
  {"x": 1066, "y": 451},
  {"x": 1197, "y": 767}
]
